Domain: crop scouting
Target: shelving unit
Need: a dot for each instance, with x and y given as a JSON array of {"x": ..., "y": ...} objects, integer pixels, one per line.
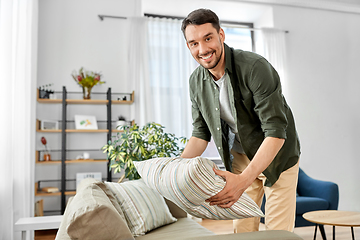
[{"x": 63, "y": 161}]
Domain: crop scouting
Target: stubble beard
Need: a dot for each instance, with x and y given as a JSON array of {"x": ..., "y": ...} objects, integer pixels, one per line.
[{"x": 216, "y": 61}]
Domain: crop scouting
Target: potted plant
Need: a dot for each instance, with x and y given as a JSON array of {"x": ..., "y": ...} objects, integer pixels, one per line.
[
  {"x": 87, "y": 80},
  {"x": 120, "y": 122},
  {"x": 138, "y": 144}
]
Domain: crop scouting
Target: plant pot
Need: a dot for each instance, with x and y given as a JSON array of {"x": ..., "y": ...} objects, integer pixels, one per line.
[
  {"x": 87, "y": 92},
  {"x": 120, "y": 123}
]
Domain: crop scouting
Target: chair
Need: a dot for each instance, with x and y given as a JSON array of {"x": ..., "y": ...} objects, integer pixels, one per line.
[{"x": 312, "y": 195}]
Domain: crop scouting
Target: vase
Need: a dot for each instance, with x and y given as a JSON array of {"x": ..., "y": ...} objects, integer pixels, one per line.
[
  {"x": 87, "y": 92},
  {"x": 47, "y": 157}
]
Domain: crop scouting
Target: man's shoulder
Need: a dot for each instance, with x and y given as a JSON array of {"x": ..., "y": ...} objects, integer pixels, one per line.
[
  {"x": 198, "y": 74},
  {"x": 242, "y": 56}
]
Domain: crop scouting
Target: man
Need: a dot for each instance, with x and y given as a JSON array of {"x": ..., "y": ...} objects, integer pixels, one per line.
[{"x": 236, "y": 98}]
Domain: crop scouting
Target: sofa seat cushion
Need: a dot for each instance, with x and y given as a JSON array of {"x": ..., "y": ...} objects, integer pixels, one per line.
[
  {"x": 144, "y": 209},
  {"x": 308, "y": 204},
  {"x": 260, "y": 235},
  {"x": 183, "y": 228},
  {"x": 189, "y": 182},
  {"x": 92, "y": 215}
]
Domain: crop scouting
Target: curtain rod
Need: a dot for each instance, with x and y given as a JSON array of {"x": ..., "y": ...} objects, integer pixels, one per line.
[
  {"x": 249, "y": 28},
  {"x": 223, "y": 23},
  {"x": 108, "y": 16}
]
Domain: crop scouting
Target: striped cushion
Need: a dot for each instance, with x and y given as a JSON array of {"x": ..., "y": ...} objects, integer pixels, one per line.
[
  {"x": 189, "y": 182},
  {"x": 144, "y": 208}
]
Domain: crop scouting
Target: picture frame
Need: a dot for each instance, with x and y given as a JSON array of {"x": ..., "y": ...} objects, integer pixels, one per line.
[
  {"x": 85, "y": 122},
  {"x": 49, "y": 125},
  {"x": 82, "y": 176}
]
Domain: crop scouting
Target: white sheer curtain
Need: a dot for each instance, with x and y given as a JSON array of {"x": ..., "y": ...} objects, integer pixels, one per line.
[
  {"x": 170, "y": 66},
  {"x": 160, "y": 65},
  {"x": 272, "y": 45},
  {"x": 139, "y": 71},
  {"x": 18, "y": 36}
]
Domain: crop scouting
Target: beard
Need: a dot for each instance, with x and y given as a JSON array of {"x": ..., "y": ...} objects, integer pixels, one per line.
[{"x": 216, "y": 61}]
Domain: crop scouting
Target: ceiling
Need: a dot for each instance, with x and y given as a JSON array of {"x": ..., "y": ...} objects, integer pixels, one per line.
[{"x": 352, "y": 6}]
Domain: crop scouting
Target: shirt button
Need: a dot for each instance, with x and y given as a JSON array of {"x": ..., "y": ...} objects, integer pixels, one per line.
[
  {"x": 216, "y": 109},
  {"x": 218, "y": 129},
  {"x": 219, "y": 148},
  {"x": 215, "y": 88}
]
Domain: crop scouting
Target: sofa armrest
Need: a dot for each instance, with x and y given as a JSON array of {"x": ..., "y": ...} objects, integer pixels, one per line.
[{"x": 311, "y": 187}]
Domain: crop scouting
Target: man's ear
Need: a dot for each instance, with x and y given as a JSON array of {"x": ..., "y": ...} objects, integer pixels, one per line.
[
  {"x": 187, "y": 44},
  {"x": 222, "y": 35}
]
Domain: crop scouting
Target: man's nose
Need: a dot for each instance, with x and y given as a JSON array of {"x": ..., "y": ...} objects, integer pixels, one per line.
[{"x": 203, "y": 49}]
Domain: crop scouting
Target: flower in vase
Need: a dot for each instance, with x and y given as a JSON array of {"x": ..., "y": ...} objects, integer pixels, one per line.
[{"x": 87, "y": 80}]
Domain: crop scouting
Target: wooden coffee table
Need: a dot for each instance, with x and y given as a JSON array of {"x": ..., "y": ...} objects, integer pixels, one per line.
[{"x": 334, "y": 218}]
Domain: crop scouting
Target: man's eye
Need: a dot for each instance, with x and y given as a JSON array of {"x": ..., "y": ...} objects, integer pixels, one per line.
[
  {"x": 193, "y": 44},
  {"x": 208, "y": 39}
]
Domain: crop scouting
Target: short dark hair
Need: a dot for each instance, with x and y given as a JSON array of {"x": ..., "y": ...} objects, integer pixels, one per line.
[{"x": 199, "y": 17}]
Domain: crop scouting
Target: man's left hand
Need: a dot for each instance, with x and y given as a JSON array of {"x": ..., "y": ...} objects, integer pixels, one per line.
[{"x": 234, "y": 188}]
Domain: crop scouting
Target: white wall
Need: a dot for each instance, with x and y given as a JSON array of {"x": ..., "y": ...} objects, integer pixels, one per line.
[
  {"x": 322, "y": 62},
  {"x": 72, "y": 36},
  {"x": 323, "y": 80}
]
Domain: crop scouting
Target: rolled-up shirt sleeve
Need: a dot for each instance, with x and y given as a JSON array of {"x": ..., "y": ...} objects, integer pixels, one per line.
[
  {"x": 200, "y": 128},
  {"x": 270, "y": 105}
]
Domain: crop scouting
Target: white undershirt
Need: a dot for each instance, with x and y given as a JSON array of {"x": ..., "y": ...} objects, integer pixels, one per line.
[{"x": 225, "y": 110}]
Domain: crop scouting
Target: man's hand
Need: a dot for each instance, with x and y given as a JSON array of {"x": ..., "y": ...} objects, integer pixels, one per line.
[{"x": 234, "y": 188}]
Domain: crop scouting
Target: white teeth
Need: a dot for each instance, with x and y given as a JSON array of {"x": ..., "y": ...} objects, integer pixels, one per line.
[{"x": 205, "y": 58}]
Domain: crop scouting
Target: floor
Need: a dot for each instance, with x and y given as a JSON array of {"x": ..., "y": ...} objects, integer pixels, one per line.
[
  {"x": 225, "y": 227},
  {"x": 307, "y": 233}
]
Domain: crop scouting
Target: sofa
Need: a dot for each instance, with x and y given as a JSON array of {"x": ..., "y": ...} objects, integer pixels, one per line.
[{"x": 94, "y": 213}]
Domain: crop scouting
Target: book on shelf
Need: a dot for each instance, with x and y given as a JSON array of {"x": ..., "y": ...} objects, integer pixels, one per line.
[{"x": 50, "y": 189}]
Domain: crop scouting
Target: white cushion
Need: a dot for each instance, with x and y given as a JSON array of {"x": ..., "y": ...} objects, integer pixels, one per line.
[
  {"x": 189, "y": 182},
  {"x": 144, "y": 209}
]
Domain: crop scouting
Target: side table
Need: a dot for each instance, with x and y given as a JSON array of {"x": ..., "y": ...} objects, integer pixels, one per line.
[
  {"x": 334, "y": 218},
  {"x": 37, "y": 223}
]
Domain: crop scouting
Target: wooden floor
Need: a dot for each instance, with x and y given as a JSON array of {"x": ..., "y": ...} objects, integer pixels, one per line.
[
  {"x": 307, "y": 233},
  {"x": 226, "y": 227}
]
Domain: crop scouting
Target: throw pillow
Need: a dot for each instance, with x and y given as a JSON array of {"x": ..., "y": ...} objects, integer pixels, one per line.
[
  {"x": 144, "y": 209},
  {"x": 92, "y": 215},
  {"x": 189, "y": 182}
]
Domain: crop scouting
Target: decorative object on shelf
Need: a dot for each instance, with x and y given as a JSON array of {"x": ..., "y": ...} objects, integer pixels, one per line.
[
  {"x": 47, "y": 156},
  {"x": 49, "y": 125},
  {"x": 87, "y": 80},
  {"x": 86, "y": 155},
  {"x": 85, "y": 122},
  {"x": 82, "y": 176},
  {"x": 45, "y": 91},
  {"x": 138, "y": 144},
  {"x": 50, "y": 189},
  {"x": 121, "y": 122},
  {"x": 39, "y": 208}
]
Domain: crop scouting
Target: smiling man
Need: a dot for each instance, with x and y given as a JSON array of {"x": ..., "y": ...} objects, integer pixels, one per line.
[{"x": 237, "y": 99}]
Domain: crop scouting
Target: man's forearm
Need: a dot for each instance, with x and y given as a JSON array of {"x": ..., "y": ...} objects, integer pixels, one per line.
[
  {"x": 263, "y": 157},
  {"x": 194, "y": 148}
]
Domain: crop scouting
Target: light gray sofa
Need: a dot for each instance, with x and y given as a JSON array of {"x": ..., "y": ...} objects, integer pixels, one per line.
[{"x": 94, "y": 213}]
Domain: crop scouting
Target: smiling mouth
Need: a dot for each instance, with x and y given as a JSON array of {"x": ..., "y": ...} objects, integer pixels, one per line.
[{"x": 206, "y": 57}]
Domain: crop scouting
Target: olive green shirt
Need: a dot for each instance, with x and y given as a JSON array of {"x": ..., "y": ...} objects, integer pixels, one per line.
[{"x": 258, "y": 107}]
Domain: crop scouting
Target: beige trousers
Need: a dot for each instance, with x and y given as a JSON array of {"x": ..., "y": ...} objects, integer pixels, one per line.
[{"x": 280, "y": 203}]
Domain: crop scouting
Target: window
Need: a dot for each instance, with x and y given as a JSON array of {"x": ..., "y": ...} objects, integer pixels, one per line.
[{"x": 170, "y": 65}]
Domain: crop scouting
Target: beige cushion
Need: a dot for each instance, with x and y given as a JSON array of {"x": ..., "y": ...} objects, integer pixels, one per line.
[
  {"x": 144, "y": 208},
  {"x": 92, "y": 215},
  {"x": 184, "y": 228},
  {"x": 189, "y": 182}
]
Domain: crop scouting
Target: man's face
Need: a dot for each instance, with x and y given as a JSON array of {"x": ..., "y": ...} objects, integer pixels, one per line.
[{"x": 206, "y": 45}]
